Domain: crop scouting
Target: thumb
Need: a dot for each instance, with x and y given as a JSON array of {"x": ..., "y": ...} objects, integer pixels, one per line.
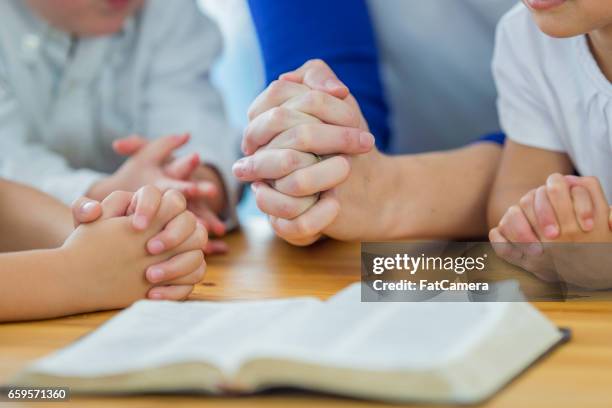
[
  {"x": 317, "y": 75},
  {"x": 85, "y": 210},
  {"x": 129, "y": 145},
  {"x": 161, "y": 149},
  {"x": 183, "y": 167}
]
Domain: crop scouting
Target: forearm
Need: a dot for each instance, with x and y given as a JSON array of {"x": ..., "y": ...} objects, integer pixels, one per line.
[
  {"x": 34, "y": 285},
  {"x": 521, "y": 169},
  {"x": 31, "y": 219},
  {"x": 438, "y": 195}
]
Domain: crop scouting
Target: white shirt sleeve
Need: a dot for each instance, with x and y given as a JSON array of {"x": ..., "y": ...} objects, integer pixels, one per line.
[
  {"x": 179, "y": 96},
  {"x": 25, "y": 161},
  {"x": 519, "y": 76}
]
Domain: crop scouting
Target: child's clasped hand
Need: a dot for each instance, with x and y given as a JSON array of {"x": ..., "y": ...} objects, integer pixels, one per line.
[{"x": 156, "y": 247}]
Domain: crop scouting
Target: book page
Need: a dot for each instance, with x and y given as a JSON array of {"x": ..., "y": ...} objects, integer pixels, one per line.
[
  {"x": 342, "y": 332},
  {"x": 345, "y": 332},
  {"x": 159, "y": 333}
]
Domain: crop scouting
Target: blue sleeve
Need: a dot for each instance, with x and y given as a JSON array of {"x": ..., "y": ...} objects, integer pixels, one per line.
[
  {"x": 497, "y": 138},
  {"x": 340, "y": 33}
]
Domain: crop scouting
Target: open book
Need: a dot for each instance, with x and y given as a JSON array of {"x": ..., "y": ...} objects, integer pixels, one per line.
[{"x": 434, "y": 352}]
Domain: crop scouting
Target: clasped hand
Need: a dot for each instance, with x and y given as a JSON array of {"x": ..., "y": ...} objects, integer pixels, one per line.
[{"x": 305, "y": 132}]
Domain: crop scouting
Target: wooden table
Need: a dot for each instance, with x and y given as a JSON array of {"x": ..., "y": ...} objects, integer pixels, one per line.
[{"x": 259, "y": 266}]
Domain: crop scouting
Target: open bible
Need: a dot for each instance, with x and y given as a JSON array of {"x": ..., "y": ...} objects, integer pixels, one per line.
[{"x": 435, "y": 352}]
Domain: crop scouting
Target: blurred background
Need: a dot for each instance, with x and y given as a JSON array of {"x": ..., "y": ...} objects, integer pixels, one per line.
[{"x": 239, "y": 73}]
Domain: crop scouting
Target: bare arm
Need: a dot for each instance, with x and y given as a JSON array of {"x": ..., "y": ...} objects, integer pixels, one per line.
[
  {"x": 522, "y": 168},
  {"x": 31, "y": 219},
  {"x": 31, "y": 294},
  {"x": 440, "y": 194}
]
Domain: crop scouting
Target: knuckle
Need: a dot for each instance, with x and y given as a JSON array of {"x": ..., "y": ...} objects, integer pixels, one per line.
[
  {"x": 505, "y": 224},
  {"x": 524, "y": 202},
  {"x": 278, "y": 114},
  {"x": 175, "y": 199},
  {"x": 247, "y": 134},
  {"x": 303, "y": 227},
  {"x": 493, "y": 234},
  {"x": 277, "y": 227},
  {"x": 527, "y": 200},
  {"x": 197, "y": 257},
  {"x": 555, "y": 177},
  {"x": 261, "y": 202},
  {"x": 300, "y": 137},
  {"x": 541, "y": 192},
  {"x": 286, "y": 210},
  {"x": 515, "y": 212},
  {"x": 314, "y": 99},
  {"x": 170, "y": 238},
  {"x": 554, "y": 190},
  {"x": 276, "y": 88},
  {"x": 251, "y": 112},
  {"x": 353, "y": 119},
  {"x": 315, "y": 63},
  {"x": 298, "y": 183},
  {"x": 289, "y": 161},
  {"x": 347, "y": 138}
]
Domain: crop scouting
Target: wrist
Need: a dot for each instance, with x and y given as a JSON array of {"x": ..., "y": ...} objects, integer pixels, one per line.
[
  {"x": 391, "y": 199},
  {"x": 78, "y": 294},
  {"x": 63, "y": 289},
  {"x": 374, "y": 196}
]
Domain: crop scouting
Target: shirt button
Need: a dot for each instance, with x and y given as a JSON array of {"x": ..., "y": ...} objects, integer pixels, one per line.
[
  {"x": 30, "y": 45},
  {"x": 31, "y": 42}
]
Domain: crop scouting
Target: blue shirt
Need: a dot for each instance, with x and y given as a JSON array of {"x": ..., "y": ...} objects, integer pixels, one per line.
[{"x": 341, "y": 32}]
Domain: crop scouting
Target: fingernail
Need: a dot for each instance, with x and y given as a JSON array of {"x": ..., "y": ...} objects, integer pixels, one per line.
[
  {"x": 366, "y": 140},
  {"x": 155, "y": 274},
  {"x": 156, "y": 246},
  {"x": 551, "y": 231},
  {"x": 239, "y": 167},
  {"x": 195, "y": 158},
  {"x": 155, "y": 296},
  {"x": 332, "y": 84},
  {"x": 87, "y": 207},
  {"x": 140, "y": 222},
  {"x": 588, "y": 223},
  {"x": 254, "y": 187}
]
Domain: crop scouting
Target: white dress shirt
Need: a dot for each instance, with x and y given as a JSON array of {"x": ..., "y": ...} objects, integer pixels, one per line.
[{"x": 63, "y": 101}]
